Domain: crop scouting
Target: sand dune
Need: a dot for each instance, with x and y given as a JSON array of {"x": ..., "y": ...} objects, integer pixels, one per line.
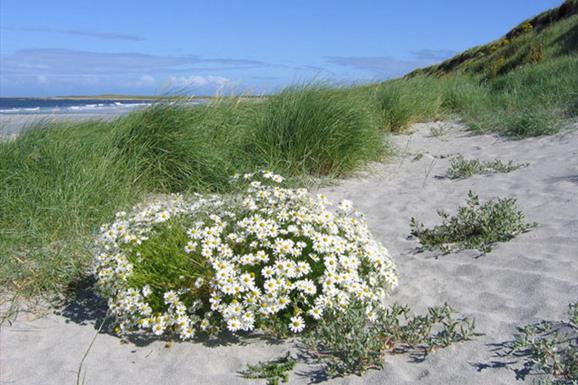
[{"x": 530, "y": 278}]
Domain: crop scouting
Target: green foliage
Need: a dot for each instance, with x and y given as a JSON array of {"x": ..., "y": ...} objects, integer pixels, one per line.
[
  {"x": 171, "y": 147},
  {"x": 548, "y": 348},
  {"x": 315, "y": 130},
  {"x": 348, "y": 343},
  {"x": 531, "y": 123},
  {"x": 401, "y": 103},
  {"x": 274, "y": 371},
  {"x": 475, "y": 226},
  {"x": 461, "y": 168},
  {"x": 57, "y": 183}
]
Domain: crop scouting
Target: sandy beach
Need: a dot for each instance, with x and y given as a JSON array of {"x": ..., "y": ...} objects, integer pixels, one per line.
[
  {"x": 12, "y": 124},
  {"x": 533, "y": 277}
]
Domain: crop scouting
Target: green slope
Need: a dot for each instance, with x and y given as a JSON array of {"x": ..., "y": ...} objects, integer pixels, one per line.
[{"x": 549, "y": 35}]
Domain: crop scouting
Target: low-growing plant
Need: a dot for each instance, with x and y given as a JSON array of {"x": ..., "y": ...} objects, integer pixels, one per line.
[
  {"x": 265, "y": 257},
  {"x": 548, "y": 348},
  {"x": 274, "y": 371},
  {"x": 475, "y": 226},
  {"x": 350, "y": 342},
  {"x": 461, "y": 168},
  {"x": 438, "y": 132}
]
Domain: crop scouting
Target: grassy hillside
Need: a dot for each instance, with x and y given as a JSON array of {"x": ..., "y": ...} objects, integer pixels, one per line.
[
  {"x": 60, "y": 181},
  {"x": 524, "y": 84},
  {"x": 549, "y": 35}
]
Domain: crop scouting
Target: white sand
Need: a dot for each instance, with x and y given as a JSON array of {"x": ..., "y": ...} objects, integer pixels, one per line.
[
  {"x": 530, "y": 278},
  {"x": 13, "y": 124}
]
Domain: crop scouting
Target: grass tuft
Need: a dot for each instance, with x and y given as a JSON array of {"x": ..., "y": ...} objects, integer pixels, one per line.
[{"x": 313, "y": 130}]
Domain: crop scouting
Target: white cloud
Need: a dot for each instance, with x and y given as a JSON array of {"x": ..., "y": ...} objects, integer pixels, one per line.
[
  {"x": 144, "y": 81},
  {"x": 52, "y": 61},
  {"x": 198, "y": 81},
  {"x": 42, "y": 79}
]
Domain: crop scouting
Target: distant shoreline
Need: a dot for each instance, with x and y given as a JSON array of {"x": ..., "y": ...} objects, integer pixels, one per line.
[
  {"x": 101, "y": 97},
  {"x": 13, "y": 125},
  {"x": 121, "y": 97}
]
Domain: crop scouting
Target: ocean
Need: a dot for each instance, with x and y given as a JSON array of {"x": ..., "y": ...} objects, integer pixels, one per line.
[
  {"x": 16, "y": 114},
  {"x": 53, "y": 106}
]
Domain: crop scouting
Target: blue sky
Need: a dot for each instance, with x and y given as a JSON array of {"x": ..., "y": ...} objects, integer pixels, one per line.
[{"x": 151, "y": 47}]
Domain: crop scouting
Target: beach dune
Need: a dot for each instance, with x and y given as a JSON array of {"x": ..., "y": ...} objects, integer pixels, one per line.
[{"x": 533, "y": 277}]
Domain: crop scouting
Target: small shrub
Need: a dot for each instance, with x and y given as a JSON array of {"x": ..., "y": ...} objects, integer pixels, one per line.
[
  {"x": 548, "y": 348},
  {"x": 266, "y": 257},
  {"x": 461, "y": 168},
  {"x": 350, "y": 343},
  {"x": 536, "y": 53},
  {"x": 496, "y": 67},
  {"x": 274, "y": 371},
  {"x": 475, "y": 226},
  {"x": 437, "y": 132}
]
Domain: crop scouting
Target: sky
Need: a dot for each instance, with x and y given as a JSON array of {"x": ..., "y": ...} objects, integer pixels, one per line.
[{"x": 146, "y": 47}]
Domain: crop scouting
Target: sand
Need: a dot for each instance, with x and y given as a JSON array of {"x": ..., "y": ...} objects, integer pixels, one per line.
[
  {"x": 530, "y": 278},
  {"x": 12, "y": 124}
]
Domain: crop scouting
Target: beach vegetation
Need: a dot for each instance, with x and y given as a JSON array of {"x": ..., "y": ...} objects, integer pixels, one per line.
[
  {"x": 476, "y": 225},
  {"x": 266, "y": 256},
  {"x": 461, "y": 168},
  {"x": 548, "y": 349},
  {"x": 62, "y": 180},
  {"x": 275, "y": 371},
  {"x": 350, "y": 343}
]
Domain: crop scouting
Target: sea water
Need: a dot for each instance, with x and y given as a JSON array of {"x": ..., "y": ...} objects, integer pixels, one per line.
[{"x": 30, "y": 106}]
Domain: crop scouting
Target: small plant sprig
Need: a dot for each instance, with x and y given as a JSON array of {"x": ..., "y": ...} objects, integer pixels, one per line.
[
  {"x": 548, "y": 348},
  {"x": 437, "y": 132},
  {"x": 348, "y": 343},
  {"x": 461, "y": 168},
  {"x": 475, "y": 226},
  {"x": 274, "y": 371}
]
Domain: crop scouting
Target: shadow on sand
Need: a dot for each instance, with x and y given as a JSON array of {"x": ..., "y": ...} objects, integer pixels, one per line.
[{"x": 83, "y": 306}]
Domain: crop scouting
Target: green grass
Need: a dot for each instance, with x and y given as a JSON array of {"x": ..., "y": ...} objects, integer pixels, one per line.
[
  {"x": 533, "y": 100},
  {"x": 60, "y": 181},
  {"x": 316, "y": 130}
]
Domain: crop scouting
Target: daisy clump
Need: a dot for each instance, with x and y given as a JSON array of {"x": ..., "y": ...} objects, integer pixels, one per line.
[{"x": 267, "y": 256}]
